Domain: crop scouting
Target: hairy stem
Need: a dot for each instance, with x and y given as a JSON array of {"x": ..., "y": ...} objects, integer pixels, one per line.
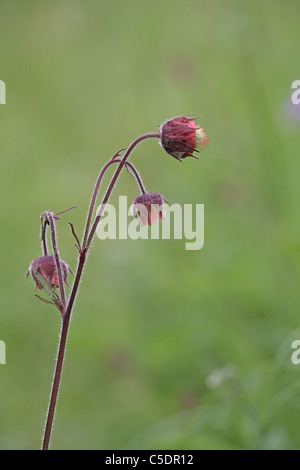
[
  {"x": 61, "y": 354},
  {"x": 55, "y": 384},
  {"x": 135, "y": 175},
  {"x": 43, "y": 233},
  {"x": 50, "y": 217},
  {"x": 114, "y": 179},
  {"x": 94, "y": 197}
]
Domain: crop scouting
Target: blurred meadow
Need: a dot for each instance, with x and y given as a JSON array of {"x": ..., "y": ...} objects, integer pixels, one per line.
[{"x": 168, "y": 348}]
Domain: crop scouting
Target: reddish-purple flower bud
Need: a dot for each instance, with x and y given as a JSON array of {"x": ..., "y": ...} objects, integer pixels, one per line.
[
  {"x": 180, "y": 137},
  {"x": 45, "y": 266},
  {"x": 148, "y": 208}
]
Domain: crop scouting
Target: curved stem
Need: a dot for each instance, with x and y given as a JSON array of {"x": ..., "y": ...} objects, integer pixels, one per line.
[
  {"x": 43, "y": 233},
  {"x": 94, "y": 197},
  {"x": 50, "y": 218},
  {"x": 75, "y": 286},
  {"x": 113, "y": 181},
  {"x": 135, "y": 175}
]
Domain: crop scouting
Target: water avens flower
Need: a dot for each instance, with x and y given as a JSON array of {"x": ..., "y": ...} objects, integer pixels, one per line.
[
  {"x": 148, "y": 208},
  {"x": 180, "y": 137},
  {"x": 45, "y": 266}
]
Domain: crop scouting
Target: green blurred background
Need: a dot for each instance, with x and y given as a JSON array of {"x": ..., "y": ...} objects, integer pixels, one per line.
[{"x": 168, "y": 348}]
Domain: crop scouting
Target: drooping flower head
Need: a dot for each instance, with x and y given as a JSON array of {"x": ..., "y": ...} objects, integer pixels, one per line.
[
  {"x": 45, "y": 267},
  {"x": 148, "y": 208},
  {"x": 180, "y": 137}
]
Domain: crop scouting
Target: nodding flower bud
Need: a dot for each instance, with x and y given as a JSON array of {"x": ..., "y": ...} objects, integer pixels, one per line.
[
  {"x": 148, "y": 208},
  {"x": 180, "y": 137},
  {"x": 45, "y": 266}
]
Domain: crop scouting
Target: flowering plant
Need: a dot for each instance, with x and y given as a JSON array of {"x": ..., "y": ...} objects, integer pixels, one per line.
[{"x": 180, "y": 137}]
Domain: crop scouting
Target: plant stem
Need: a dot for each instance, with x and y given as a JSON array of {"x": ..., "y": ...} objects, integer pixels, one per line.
[
  {"x": 114, "y": 179},
  {"x": 86, "y": 242},
  {"x": 50, "y": 217},
  {"x": 94, "y": 197},
  {"x": 61, "y": 353},
  {"x": 135, "y": 175},
  {"x": 43, "y": 234},
  {"x": 55, "y": 384}
]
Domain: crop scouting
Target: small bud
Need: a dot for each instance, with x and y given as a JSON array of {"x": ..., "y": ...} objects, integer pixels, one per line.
[
  {"x": 180, "y": 137},
  {"x": 45, "y": 266},
  {"x": 148, "y": 208}
]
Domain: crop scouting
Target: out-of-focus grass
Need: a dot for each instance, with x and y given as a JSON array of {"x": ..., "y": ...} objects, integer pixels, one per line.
[{"x": 168, "y": 348}]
